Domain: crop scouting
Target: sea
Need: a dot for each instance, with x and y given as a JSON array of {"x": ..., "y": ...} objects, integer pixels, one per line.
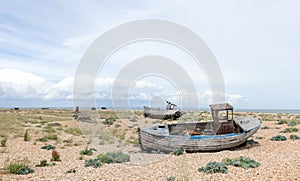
[{"x": 282, "y": 111}]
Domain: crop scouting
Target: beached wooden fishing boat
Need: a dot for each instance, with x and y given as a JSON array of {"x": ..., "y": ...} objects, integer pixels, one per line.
[
  {"x": 222, "y": 132},
  {"x": 169, "y": 113}
]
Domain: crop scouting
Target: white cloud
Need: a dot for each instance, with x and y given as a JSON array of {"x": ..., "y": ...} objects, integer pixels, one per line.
[
  {"x": 143, "y": 84},
  {"x": 206, "y": 98},
  {"x": 140, "y": 96},
  {"x": 16, "y": 84},
  {"x": 19, "y": 85},
  {"x": 61, "y": 90}
]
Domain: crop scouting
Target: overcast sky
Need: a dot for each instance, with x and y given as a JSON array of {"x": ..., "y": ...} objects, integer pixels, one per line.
[{"x": 256, "y": 44}]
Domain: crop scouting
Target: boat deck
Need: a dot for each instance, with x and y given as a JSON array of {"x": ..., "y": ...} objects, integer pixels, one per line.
[{"x": 247, "y": 123}]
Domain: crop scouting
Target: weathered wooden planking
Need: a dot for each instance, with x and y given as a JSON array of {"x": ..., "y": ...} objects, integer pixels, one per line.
[
  {"x": 247, "y": 123},
  {"x": 171, "y": 143},
  {"x": 163, "y": 140}
]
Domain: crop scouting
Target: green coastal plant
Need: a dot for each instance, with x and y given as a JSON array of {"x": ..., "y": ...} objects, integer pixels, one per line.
[
  {"x": 19, "y": 168},
  {"x": 51, "y": 136},
  {"x": 26, "y": 136},
  {"x": 3, "y": 141},
  {"x": 68, "y": 140},
  {"x": 244, "y": 162},
  {"x": 278, "y": 138},
  {"x": 92, "y": 162},
  {"x": 42, "y": 139},
  {"x": 49, "y": 129},
  {"x": 292, "y": 123},
  {"x": 48, "y": 147},
  {"x": 281, "y": 122},
  {"x": 114, "y": 157},
  {"x": 43, "y": 163},
  {"x": 47, "y": 137},
  {"x": 87, "y": 151},
  {"x": 178, "y": 152},
  {"x": 72, "y": 170},
  {"x": 214, "y": 167},
  {"x": 290, "y": 130},
  {"x": 252, "y": 142},
  {"x": 109, "y": 121},
  {"x": 294, "y": 137},
  {"x": 171, "y": 178}
]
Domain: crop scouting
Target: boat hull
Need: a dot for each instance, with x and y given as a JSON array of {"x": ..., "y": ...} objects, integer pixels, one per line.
[
  {"x": 161, "y": 114},
  {"x": 168, "y": 143}
]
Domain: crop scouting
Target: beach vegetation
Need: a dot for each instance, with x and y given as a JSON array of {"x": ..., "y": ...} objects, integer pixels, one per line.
[
  {"x": 290, "y": 130},
  {"x": 26, "y": 136},
  {"x": 3, "y": 140},
  {"x": 178, "y": 152},
  {"x": 282, "y": 122},
  {"x": 55, "y": 124},
  {"x": 292, "y": 123},
  {"x": 48, "y": 147},
  {"x": 55, "y": 156},
  {"x": 214, "y": 167},
  {"x": 74, "y": 131},
  {"x": 72, "y": 170},
  {"x": 51, "y": 136},
  {"x": 87, "y": 151},
  {"x": 109, "y": 121},
  {"x": 42, "y": 139},
  {"x": 44, "y": 163},
  {"x": 294, "y": 137},
  {"x": 244, "y": 162},
  {"x": 252, "y": 142},
  {"x": 19, "y": 168},
  {"x": 278, "y": 138},
  {"x": 171, "y": 178},
  {"x": 92, "y": 162},
  {"x": 114, "y": 157}
]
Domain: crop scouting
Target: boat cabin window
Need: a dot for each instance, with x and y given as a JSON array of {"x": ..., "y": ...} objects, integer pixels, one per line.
[
  {"x": 160, "y": 127},
  {"x": 222, "y": 112},
  {"x": 225, "y": 115}
]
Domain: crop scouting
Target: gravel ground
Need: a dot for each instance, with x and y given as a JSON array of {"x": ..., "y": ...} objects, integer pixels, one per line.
[{"x": 280, "y": 160}]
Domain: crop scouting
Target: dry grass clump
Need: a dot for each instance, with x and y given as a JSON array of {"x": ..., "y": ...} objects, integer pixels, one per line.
[
  {"x": 290, "y": 130},
  {"x": 26, "y": 136},
  {"x": 19, "y": 168},
  {"x": 74, "y": 131},
  {"x": 3, "y": 140}
]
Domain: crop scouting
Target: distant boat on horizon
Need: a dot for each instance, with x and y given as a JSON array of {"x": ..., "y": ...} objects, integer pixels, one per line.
[{"x": 170, "y": 112}]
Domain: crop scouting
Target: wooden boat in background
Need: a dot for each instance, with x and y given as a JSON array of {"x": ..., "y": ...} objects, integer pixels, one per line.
[
  {"x": 169, "y": 113},
  {"x": 222, "y": 132}
]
